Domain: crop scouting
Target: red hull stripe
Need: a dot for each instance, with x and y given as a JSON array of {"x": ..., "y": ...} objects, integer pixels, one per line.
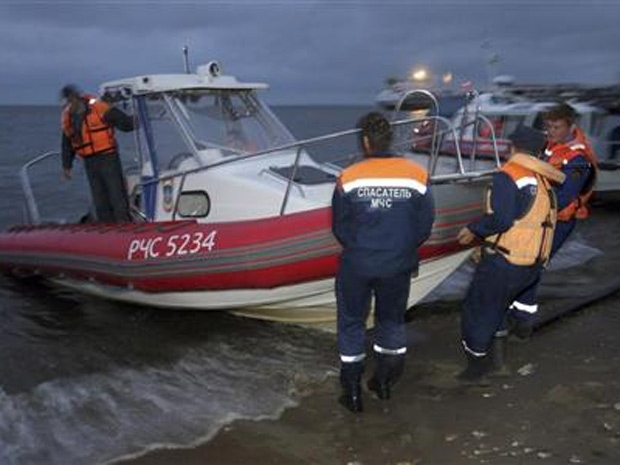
[{"x": 250, "y": 254}]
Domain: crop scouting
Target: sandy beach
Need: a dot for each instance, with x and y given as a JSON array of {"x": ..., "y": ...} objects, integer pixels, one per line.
[{"x": 560, "y": 405}]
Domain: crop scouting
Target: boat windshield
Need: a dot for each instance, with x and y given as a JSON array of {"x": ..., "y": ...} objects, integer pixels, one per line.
[{"x": 234, "y": 121}]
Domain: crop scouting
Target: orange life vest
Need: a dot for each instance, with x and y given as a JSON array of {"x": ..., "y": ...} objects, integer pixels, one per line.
[
  {"x": 529, "y": 239},
  {"x": 97, "y": 136},
  {"x": 561, "y": 153}
]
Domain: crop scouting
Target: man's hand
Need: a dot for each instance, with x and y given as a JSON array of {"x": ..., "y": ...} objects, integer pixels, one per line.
[
  {"x": 465, "y": 236},
  {"x": 476, "y": 255},
  {"x": 67, "y": 173}
]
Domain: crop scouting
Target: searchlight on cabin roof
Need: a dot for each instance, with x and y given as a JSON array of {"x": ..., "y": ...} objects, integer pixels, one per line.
[{"x": 212, "y": 69}]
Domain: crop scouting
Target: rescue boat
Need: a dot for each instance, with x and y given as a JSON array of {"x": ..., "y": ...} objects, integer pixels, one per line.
[{"x": 231, "y": 212}]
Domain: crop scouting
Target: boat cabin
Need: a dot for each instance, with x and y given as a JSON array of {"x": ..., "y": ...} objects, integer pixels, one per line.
[{"x": 195, "y": 129}]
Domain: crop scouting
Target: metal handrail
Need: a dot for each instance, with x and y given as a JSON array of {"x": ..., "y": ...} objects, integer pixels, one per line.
[
  {"x": 411, "y": 92},
  {"x": 433, "y": 99},
  {"x": 493, "y": 138},
  {"x": 34, "y": 215},
  {"x": 295, "y": 144},
  {"x": 435, "y": 151},
  {"x": 475, "y": 137},
  {"x": 31, "y": 205},
  {"x": 290, "y": 180}
]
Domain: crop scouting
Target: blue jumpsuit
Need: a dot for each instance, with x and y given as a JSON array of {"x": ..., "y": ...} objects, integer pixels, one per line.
[
  {"x": 382, "y": 212},
  {"x": 578, "y": 173},
  {"x": 496, "y": 281}
]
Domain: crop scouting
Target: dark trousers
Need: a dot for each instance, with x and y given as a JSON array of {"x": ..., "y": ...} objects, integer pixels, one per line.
[
  {"x": 353, "y": 297},
  {"x": 529, "y": 296},
  {"x": 107, "y": 187},
  {"x": 494, "y": 286}
]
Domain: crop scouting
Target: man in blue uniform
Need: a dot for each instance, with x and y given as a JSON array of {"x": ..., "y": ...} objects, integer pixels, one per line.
[
  {"x": 516, "y": 232},
  {"x": 382, "y": 212},
  {"x": 569, "y": 151}
]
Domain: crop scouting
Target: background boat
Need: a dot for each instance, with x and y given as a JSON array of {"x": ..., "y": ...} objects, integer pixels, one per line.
[{"x": 485, "y": 122}]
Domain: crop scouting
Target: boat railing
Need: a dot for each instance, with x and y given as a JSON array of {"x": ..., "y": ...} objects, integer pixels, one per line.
[
  {"x": 412, "y": 93},
  {"x": 289, "y": 184},
  {"x": 296, "y": 150},
  {"x": 31, "y": 208},
  {"x": 435, "y": 134},
  {"x": 438, "y": 137},
  {"x": 435, "y": 106},
  {"x": 32, "y": 211},
  {"x": 462, "y": 174},
  {"x": 298, "y": 146},
  {"x": 475, "y": 122}
]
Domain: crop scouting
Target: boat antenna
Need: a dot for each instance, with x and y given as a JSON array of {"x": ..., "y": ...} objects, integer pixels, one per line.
[{"x": 186, "y": 58}]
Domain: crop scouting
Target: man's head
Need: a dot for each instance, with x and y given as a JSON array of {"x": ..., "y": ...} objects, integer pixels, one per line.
[
  {"x": 528, "y": 140},
  {"x": 559, "y": 121},
  {"x": 375, "y": 133},
  {"x": 70, "y": 93}
]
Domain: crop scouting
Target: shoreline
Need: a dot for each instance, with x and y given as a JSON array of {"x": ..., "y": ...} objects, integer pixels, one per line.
[{"x": 560, "y": 405}]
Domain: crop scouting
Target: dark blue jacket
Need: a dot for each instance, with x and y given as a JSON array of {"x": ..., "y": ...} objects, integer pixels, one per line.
[
  {"x": 382, "y": 211},
  {"x": 508, "y": 203}
]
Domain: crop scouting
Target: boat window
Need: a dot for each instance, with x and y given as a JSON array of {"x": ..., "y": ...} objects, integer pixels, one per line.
[
  {"x": 591, "y": 123},
  {"x": 510, "y": 124},
  {"x": 598, "y": 123},
  {"x": 539, "y": 122},
  {"x": 234, "y": 121},
  {"x": 164, "y": 134},
  {"x": 193, "y": 204}
]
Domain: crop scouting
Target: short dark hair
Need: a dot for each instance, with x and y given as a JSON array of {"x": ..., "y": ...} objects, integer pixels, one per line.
[
  {"x": 70, "y": 90},
  {"x": 377, "y": 129},
  {"x": 561, "y": 111},
  {"x": 527, "y": 139}
]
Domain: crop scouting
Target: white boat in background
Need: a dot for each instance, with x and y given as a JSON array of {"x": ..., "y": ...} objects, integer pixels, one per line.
[
  {"x": 231, "y": 212},
  {"x": 484, "y": 124},
  {"x": 405, "y": 96}
]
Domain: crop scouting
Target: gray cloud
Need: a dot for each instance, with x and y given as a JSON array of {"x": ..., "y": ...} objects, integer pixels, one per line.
[{"x": 308, "y": 51}]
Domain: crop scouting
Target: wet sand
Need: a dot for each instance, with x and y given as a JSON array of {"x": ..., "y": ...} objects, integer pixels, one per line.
[{"x": 560, "y": 405}]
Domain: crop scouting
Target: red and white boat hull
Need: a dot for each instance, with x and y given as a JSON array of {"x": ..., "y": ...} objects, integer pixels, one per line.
[{"x": 260, "y": 266}]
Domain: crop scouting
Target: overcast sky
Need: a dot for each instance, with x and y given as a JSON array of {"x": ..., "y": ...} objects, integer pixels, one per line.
[{"x": 307, "y": 51}]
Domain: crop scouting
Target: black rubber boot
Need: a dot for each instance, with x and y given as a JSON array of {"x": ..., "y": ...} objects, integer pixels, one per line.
[
  {"x": 521, "y": 328},
  {"x": 382, "y": 390},
  {"x": 498, "y": 356},
  {"x": 350, "y": 380},
  {"x": 524, "y": 329},
  {"x": 476, "y": 369},
  {"x": 389, "y": 370}
]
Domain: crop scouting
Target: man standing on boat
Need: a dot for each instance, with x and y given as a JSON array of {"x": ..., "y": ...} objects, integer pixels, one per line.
[
  {"x": 569, "y": 151},
  {"x": 516, "y": 232},
  {"x": 382, "y": 212},
  {"x": 88, "y": 131}
]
